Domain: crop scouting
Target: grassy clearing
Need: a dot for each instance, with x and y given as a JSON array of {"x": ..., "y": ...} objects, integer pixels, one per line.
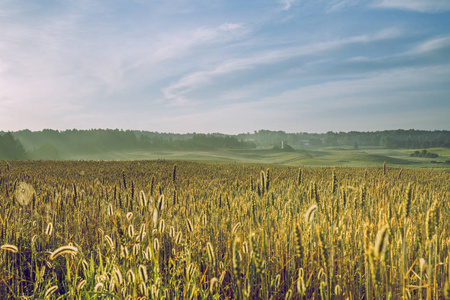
[
  {"x": 332, "y": 156},
  {"x": 315, "y": 157}
]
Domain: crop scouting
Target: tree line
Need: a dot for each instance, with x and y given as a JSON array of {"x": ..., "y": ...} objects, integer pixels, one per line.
[
  {"x": 410, "y": 139},
  {"x": 54, "y": 144},
  {"x": 11, "y": 148}
]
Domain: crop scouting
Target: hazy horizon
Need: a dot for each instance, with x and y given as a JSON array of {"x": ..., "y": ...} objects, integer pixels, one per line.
[
  {"x": 225, "y": 66},
  {"x": 217, "y": 132}
]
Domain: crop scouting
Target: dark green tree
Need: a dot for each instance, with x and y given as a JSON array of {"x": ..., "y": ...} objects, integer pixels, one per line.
[{"x": 10, "y": 148}]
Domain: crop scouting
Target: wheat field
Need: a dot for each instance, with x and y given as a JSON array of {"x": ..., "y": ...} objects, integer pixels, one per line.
[{"x": 185, "y": 230}]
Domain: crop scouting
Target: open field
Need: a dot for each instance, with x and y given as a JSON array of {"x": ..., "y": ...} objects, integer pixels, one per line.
[
  {"x": 311, "y": 157},
  {"x": 189, "y": 230}
]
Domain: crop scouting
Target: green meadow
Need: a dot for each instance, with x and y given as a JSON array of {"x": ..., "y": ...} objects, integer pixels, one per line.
[{"x": 325, "y": 156}]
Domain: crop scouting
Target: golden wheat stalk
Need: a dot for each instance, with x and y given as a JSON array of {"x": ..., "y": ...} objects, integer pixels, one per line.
[
  {"x": 211, "y": 256},
  {"x": 431, "y": 225},
  {"x": 10, "y": 248},
  {"x": 245, "y": 247},
  {"x": 110, "y": 210},
  {"x": 131, "y": 277},
  {"x": 381, "y": 242},
  {"x": 81, "y": 285},
  {"x": 117, "y": 275},
  {"x": 143, "y": 273},
  {"x": 161, "y": 203},
  {"x": 142, "y": 232},
  {"x": 155, "y": 218},
  {"x": 408, "y": 200},
  {"x": 301, "y": 287},
  {"x": 178, "y": 237},
  {"x": 309, "y": 215},
  {"x": 136, "y": 248},
  {"x": 142, "y": 199},
  {"x": 236, "y": 227},
  {"x": 147, "y": 253},
  {"x": 288, "y": 295},
  {"x": 237, "y": 258},
  {"x": 49, "y": 229},
  {"x": 144, "y": 290},
  {"x": 98, "y": 287},
  {"x": 109, "y": 241},
  {"x": 189, "y": 225},
  {"x": 129, "y": 216},
  {"x": 213, "y": 285},
  {"x": 298, "y": 243},
  {"x": 156, "y": 244},
  {"x": 172, "y": 231},
  {"x": 63, "y": 250},
  {"x": 50, "y": 291},
  {"x": 162, "y": 226}
]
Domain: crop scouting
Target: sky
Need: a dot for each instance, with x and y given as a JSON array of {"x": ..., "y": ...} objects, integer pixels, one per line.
[{"x": 228, "y": 66}]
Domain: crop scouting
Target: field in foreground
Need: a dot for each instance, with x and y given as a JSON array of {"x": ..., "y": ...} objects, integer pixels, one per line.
[{"x": 179, "y": 230}]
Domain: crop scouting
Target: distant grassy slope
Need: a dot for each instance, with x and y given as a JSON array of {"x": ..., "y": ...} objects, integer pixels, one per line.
[{"x": 317, "y": 157}]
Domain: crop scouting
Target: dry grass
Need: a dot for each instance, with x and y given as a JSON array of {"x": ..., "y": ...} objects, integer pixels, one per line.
[{"x": 150, "y": 230}]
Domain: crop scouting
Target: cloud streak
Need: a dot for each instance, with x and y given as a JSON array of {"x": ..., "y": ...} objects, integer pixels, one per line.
[
  {"x": 222, "y": 65},
  {"x": 428, "y": 6},
  {"x": 287, "y": 4},
  {"x": 178, "y": 92},
  {"x": 383, "y": 101}
]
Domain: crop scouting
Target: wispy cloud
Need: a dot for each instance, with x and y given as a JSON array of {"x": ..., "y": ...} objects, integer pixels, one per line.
[
  {"x": 198, "y": 79},
  {"x": 380, "y": 88},
  {"x": 287, "y": 4},
  {"x": 337, "y": 5},
  {"x": 381, "y": 101},
  {"x": 88, "y": 61},
  {"x": 177, "y": 93},
  {"x": 432, "y": 45},
  {"x": 82, "y": 63},
  {"x": 430, "y": 6}
]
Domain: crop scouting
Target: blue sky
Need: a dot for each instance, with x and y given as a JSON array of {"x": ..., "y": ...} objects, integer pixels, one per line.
[{"x": 227, "y": 66}]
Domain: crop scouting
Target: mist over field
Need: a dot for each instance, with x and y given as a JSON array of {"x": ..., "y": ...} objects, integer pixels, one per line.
[{"x": 397, "y": 147}]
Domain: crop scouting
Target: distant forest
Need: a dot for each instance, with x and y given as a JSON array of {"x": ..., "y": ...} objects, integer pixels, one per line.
[{"x": 54, "y": 144}]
